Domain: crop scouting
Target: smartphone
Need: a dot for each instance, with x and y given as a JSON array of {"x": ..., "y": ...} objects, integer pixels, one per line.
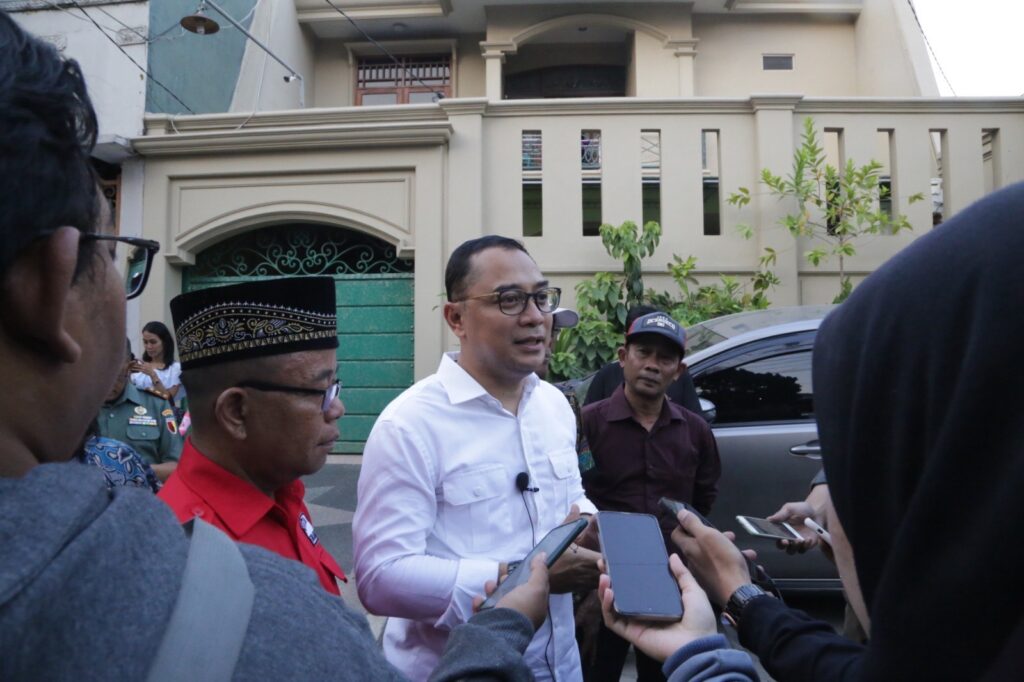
[
  {"x": 554, "y": 544},
  {"x": 758, "y": 575},
  {"x": 764, "y": 528},
  {"x": 673, "y": 507},
  {"x": 822, "y": 533},
  {"x": 636, "y": 560}
]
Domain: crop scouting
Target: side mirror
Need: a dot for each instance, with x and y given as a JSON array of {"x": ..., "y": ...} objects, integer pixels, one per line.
[{"x": 708, "y": 410}]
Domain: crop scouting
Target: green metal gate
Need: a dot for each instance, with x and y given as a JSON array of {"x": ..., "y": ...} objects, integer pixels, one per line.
[{"x": 374, "y": 297}]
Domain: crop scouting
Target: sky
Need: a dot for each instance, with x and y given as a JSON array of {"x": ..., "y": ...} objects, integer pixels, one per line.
[{"x": 979, "y": 44}]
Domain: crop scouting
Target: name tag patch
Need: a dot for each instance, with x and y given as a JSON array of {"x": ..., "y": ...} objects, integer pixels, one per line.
[
  {"x": 307, "y": 527},
  {"x": 142, "y": 421}
]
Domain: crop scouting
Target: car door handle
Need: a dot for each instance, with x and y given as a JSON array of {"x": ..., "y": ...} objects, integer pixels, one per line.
[{"x": 810, "y": 450}]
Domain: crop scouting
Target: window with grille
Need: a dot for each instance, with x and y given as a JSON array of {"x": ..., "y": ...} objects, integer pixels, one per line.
[{"x": 412, "y": 80}]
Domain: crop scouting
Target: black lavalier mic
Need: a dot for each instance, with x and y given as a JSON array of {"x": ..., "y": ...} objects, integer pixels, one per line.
[{"x": 523, "y": 483}]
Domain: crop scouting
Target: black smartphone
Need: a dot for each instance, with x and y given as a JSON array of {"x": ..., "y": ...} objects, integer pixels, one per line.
[
  {"x": 554, "y": 543},
  {"x": 636, "y": 560},
  {"x": 673, "y": 507}
]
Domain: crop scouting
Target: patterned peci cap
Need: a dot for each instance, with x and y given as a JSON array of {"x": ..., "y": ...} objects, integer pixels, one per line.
[{"x": 255, "y": 319}]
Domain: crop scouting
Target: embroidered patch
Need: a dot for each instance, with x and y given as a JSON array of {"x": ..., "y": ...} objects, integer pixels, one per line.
[
  {"x": 307, "y": 527},
  {"x": 142, "y": 421},
  {"x": 140, "y": 410}
]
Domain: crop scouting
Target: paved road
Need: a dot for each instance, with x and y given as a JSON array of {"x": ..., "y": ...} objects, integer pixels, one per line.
[{"x": 331, "y": 498}]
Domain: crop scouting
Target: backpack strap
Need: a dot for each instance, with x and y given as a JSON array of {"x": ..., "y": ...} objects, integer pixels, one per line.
[{"x": 204, "y": 636}]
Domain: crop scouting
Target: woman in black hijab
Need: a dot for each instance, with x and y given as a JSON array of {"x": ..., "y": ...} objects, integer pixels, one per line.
[{"x": 919, "y": 394}]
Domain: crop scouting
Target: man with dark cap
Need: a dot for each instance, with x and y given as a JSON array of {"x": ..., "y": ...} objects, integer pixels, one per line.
[
  {"x": 645, "y": 447},
  {"x": 258, "y": 361}
]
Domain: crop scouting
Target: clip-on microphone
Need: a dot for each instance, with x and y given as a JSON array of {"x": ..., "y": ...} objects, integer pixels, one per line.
[{"x": 523, "y": 483}]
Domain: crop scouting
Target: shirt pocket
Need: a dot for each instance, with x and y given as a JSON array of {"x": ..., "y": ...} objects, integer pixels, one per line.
[
  {"x": 136, "y": 432},
  {"x": 474, "y": 514},
  {"x": 564, "y": 468}
]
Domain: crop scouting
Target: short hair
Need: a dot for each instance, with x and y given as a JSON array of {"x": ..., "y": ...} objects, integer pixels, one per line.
[
  {"x": 456, "y": 275},
  {"x": 166, "y": 339},
  {"x": 47, "y": 131}
]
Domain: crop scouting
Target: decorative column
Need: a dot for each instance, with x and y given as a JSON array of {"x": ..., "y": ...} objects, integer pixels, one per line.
[
  {"x": 685, "y": 52},
  {"x": 494, "y": 57},
  {"x": 774, "y": 125}
]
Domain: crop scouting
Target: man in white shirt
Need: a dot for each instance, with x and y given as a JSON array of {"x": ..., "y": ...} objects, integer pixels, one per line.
[{"x": 443, "y": 502}]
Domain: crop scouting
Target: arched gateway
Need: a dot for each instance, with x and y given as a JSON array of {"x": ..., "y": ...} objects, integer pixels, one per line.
[{"x": 375, "y": 305}]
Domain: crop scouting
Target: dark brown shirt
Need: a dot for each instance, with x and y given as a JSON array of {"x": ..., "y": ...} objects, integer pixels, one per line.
[{"x": 634, "y": 468}]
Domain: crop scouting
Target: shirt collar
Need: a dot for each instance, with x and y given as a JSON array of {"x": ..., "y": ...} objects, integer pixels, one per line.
[
  {"x": 237, "y": 502},
  {"x": 461, "y": 387},
  {"x": 129, "y": 394},
  {"x": 619, "y": 408}
]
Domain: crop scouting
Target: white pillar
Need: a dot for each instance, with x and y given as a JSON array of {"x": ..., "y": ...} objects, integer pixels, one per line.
[
  {"x": 685, "y": 52},
  {"x": 494, "y": 57}
]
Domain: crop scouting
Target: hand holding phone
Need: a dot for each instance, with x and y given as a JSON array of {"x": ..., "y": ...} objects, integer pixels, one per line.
[
  {"x": 637, "y": 563},
  {"x": 529, "y": 598},
  {"x": 553, "y": 544},
  {"x": 822, "y": 533}
]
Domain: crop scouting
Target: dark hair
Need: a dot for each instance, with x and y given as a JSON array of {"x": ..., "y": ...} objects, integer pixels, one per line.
[
  {"x": 47, "y": 131},
  {"x": 166, "y": 339},
  {"x": 457, "y": 272},
  {"x": 639, "y": 311},
  {"x": 128, "y": 347}
]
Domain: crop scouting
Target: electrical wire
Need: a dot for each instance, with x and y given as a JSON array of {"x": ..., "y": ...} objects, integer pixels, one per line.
[
  {"x": 408, "y": 73},
  {"x": 131, "y": 59},
  {"x": 920, "y": 28}
]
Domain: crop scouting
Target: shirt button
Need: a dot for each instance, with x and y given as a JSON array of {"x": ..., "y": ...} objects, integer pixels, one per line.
[
  {"x": 477, "y": 492},
  {"x": 198, "y": 511}
]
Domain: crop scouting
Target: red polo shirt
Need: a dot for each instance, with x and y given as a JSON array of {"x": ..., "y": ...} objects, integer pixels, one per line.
[{"x": 199, "y": 487}]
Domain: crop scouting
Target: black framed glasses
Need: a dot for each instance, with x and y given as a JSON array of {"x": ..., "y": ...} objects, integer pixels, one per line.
[
  {"x": 514, "y": 301},
  {"x": 328, "y": 395},
  {"x": 138, "y": 260}
]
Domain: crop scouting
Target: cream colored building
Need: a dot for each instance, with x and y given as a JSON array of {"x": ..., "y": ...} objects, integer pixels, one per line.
[{"x": 555, "y": 117}]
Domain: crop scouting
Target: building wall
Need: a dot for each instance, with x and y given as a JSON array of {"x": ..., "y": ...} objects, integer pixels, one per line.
[
  {"x": 117, "y": 88},
  {"x": 201, "y": 70},
  {"x": 728, "y": 62},
  {"x": 261, "y": 85}
]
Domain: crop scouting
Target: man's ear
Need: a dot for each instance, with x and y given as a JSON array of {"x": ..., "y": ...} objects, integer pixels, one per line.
[
  {"x": 622, "y": 355},
  {"x": 36, "y": 294},
  {"x": 453, "y": 316},
  {"x": 679, "y": 372},
  {"x": 231, "y": 410}
]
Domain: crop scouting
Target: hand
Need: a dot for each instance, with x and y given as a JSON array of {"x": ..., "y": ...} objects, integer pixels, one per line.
[
  {"x": 530, "y": 598},
  {"x": 794, "y": 514},
  {"x": 576, "y": 569},
  {"x": 715, "y": 561},
  {"x": 661, "y": 640}
]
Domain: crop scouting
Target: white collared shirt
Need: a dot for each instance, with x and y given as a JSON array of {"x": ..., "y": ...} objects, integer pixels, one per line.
[{"x": 439, "y": 509}]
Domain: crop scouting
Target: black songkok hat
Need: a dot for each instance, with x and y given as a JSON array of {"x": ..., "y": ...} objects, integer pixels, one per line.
[{"x": 255, "y": 319}]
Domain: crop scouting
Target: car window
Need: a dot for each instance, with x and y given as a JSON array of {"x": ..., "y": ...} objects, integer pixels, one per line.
[{"x": 773, "y": 388}]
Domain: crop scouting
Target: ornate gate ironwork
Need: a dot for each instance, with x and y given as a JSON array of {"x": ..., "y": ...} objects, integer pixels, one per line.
[{"x": 299, "y": 249}]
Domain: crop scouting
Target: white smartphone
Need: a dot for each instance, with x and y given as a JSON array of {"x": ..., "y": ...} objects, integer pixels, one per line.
[
  {"x": 822, "y": 533},
  {"x": 763, "y": 528}
]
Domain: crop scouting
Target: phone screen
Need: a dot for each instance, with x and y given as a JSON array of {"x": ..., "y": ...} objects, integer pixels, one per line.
[
  {"x": 635, "y": 556},
  {"x": 756, "y": 526},
  {"x": 554, "y": 544}
]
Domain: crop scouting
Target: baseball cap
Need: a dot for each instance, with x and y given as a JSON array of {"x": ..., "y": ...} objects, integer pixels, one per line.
[
  {"x": 563, "y": 318},
  {"x": 658, "y": 323}
]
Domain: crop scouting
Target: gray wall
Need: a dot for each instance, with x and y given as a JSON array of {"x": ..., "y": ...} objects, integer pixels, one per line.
[{"x": 201, "y": 70}]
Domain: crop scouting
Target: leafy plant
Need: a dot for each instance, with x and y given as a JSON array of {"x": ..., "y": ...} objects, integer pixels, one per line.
[
  {"x": 603, "y": 300},
  {"x": 835, "y": 206}
]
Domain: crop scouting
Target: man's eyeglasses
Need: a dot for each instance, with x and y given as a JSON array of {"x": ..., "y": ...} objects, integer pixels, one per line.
[
  {"x": 328, "y": 395},
  {"x": 514, "y": 301},
  {"x": 138, "y": 261}
]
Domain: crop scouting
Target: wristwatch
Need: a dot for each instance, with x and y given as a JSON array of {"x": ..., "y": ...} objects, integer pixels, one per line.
[{"x": 738, "y": 602}]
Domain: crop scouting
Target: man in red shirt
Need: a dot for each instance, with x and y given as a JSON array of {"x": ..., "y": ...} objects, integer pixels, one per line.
[{"x": 258, "y": 361}]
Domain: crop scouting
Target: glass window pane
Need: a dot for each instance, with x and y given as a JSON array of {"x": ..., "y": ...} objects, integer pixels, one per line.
[
  {"x": 422, "y": 97},
  {"x": 376, "y": 98},
  {"x": 776, "y": 388}
]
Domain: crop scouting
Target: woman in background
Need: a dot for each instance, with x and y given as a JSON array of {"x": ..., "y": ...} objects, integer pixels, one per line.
[{"x": 157, "y": 370}]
